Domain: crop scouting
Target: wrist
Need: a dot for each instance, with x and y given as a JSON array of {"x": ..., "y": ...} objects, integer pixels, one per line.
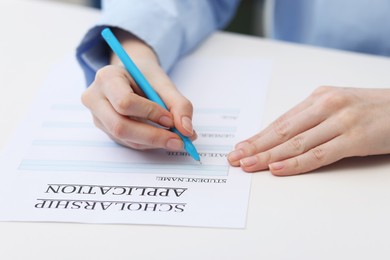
[{"x": 137, "y": 49}]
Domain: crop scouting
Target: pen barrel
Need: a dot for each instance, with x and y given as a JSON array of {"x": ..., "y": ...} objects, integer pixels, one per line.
[
  {"x": 143, "y": 84},
  {"x": 130, "y": 66}
]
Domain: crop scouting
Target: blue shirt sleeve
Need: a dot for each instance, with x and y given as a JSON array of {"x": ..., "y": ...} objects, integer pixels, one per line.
[
  {"x": 361, "y": 26},
  {"x": 171, "y": 27}
]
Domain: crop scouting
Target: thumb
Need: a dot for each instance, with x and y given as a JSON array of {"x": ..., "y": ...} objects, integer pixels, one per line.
[
  {"x": 182, "y": 111},
  {"x": 179, "y": 106}
]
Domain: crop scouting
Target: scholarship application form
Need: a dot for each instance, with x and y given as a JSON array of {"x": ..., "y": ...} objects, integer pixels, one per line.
[{"x": 60, "y": 168}]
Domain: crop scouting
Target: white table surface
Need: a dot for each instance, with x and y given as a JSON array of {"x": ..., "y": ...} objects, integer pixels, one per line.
[{"x": 338, "y": 212}]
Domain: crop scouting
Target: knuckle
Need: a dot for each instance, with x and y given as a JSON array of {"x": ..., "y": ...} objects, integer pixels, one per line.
[
  {"x": 265, "y": 157},
  {"x": 296, "y": 164},
  {"x": 281, "y": 127},
  {"x": 157, "y": 140},
  {"x": 188, "y": 103},
  {"x": 104, "y": 73},
  {"x": 297, "y": 144},
  {"x": 318, "y": 153},
  {"x": 136, "y": 146},
  {"x": 151, "y": 112},
  {"x": 123, "y": 104},
  {"x": 347, "y": 119},
  {"x": 249, "y": 149},
  {"x": 319, "y": 91},
  {"x": 336, "y": 99},
  {"x": 131, "y": 106},
  {"x": 88, "y": 97},
  {"x": 85, "y": 98},
  {"x": 117, "y": 129},
  {"x": 183, "y": 104}
]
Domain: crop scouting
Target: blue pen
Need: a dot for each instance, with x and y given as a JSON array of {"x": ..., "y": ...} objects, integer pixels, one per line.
[{"x": 141, "y": 81}]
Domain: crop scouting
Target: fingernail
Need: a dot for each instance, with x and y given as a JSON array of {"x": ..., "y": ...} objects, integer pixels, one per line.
[
  {"x": 166, "y": 121},
  {"x": 187, "y": 124},
  {"x": 174, "y": 144},
  {"x": 235, "y": 155},
  {"x": 276, "y": 166},
  {"x": 249, "y": 161}
]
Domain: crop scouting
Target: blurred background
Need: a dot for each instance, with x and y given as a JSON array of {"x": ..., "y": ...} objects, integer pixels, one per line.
[{"x": 248, "y": 19}]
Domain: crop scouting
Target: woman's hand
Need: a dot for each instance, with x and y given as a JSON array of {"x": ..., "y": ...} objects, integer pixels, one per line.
[
  {"x": 120, "y": 109},
  {"x": 331, "y": 124}
]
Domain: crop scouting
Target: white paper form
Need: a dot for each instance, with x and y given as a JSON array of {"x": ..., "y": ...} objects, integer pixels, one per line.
[{"x": 61, "y": 168}]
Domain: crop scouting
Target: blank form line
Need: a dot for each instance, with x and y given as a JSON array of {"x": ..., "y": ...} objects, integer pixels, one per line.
[
  {"x": 42, "y": 142},
  {"x": 68, "y": 107},
  {"x": 206, "y": 111},
  {"x": 63, "y": 124},
  {"x": 220, "y": 129},
  {"x": 218, "y": 111},
  {"x": 52, "y": 124},
  {"x": 111, "y": 144},
  {"x": 122, "y": 167}
]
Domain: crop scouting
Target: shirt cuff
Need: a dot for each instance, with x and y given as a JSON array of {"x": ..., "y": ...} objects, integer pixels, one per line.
[{"x": 93, "y": 53}]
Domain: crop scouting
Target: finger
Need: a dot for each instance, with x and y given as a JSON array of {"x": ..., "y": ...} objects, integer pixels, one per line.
[
  {"x": 280, "y": 126},
  {"x": 131, "y": 132},
  {"x": 295, "y": 146},
  {"x": 283, "y": 129},
  {"x": 317, "y": 157},
  {"x": 281, "y": 121},
  {"x": 182, "y": 112},
  {"x": 133, "y": 145},
  {"x": 116, "y": 87},
  {"x": 180, "y": 107}
]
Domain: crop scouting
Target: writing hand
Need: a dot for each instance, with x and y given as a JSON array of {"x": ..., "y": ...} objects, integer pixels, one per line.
[
  {"x": 331, "y": 124},
  {"x": 120, "y": 109}
]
